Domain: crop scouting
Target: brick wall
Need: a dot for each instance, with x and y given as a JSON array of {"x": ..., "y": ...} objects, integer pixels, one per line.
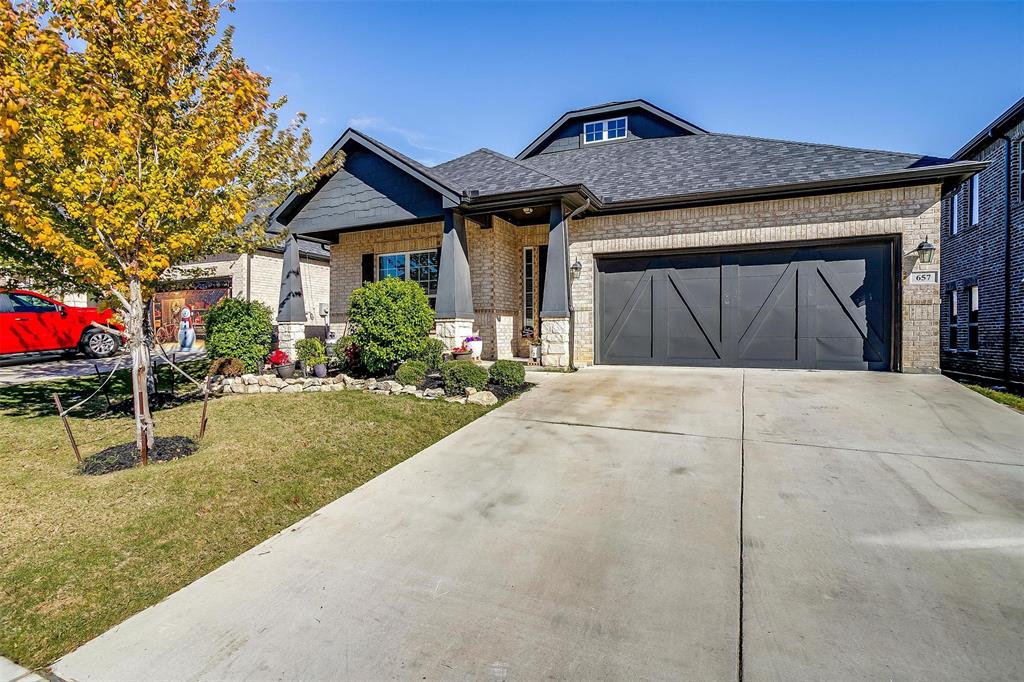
[
  {"x": 976, "y": 255},
  {"x": 912, "y": 213}
]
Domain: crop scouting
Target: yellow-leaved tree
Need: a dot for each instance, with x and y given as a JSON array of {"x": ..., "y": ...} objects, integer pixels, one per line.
[{"x": 132, "y": 140}]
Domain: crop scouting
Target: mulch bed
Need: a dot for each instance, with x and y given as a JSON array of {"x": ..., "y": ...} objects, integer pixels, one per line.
[{"x": 126, "y": 456}]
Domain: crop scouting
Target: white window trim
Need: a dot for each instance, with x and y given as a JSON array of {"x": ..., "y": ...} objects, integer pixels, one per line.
[
  {"x": 604, "y": 130},
  {"x": 954, "y": 213},
  {"x": 528, "y": 320},
  {"x": 975, "y": 199},
  {"x": 408, "y": 268}
]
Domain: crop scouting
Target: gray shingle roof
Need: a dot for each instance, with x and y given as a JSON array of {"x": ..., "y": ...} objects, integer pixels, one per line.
[
  {"x": 489, "y": 172},
  {"x": 694, "y": 164},
  {"x": 674, "y": 166}
]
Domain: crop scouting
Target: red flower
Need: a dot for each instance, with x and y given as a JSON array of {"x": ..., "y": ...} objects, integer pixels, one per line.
[{"x": 279, "y": 358}]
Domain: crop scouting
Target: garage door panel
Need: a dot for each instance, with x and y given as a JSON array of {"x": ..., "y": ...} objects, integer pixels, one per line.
[{"x": 826, "y": 307}]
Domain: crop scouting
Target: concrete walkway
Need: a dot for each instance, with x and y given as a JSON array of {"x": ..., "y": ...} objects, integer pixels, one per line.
[{"x": 591, "y": 530}]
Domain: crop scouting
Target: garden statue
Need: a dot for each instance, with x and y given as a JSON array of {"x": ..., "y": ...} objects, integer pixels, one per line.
[{"x": 186, "y": 333}]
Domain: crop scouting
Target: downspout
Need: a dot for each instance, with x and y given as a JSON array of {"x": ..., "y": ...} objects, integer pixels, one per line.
[
  {"x": 568, "y": 278},
  {"x": 1007, "y": 283}
]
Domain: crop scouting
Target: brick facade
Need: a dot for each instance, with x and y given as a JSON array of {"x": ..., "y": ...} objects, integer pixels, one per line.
[
  {"x": 909, "y": 214},
  {"x": 976, "y": 256}
]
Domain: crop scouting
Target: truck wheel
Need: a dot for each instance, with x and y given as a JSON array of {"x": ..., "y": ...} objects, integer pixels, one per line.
[{"x": 100, "y": 344}]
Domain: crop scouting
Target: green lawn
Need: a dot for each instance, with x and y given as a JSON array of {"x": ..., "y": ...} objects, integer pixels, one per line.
[
  {"x": 82, "y": 553},
  {"x": 1011, "y": 399}
]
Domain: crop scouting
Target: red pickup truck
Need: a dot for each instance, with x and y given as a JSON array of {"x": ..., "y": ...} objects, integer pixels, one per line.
[{"x": 31, "y": 322}]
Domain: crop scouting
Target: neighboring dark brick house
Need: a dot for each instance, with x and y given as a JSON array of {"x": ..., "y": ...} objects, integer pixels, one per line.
[{"x": 983, "y": 258}]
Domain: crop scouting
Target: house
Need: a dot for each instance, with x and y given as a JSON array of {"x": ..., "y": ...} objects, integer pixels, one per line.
[
  {"x": 983, "y": 258},
  {"x": 624, "y": 234}
]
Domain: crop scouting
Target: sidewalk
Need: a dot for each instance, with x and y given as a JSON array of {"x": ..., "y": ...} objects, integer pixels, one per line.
[{"x": 12, "y": 672}]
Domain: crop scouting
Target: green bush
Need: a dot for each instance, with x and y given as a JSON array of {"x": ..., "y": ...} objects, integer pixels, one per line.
[
  {"x": 229, "y": 367},
  {"x": 311, "y": 351},
  {"x": 507, "y": 373},
  {"x": 347, "y": 352},
  {"x": 433, "y": 354},
  {"x": 239, "y": 329},
  {"x": 392, "y": 318},
  {"x": 411, "y": 372},
  {"x": 458, "y": 375}
]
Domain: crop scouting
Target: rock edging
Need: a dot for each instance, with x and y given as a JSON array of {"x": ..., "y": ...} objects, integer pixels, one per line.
[{"x": 268, "y": 383}]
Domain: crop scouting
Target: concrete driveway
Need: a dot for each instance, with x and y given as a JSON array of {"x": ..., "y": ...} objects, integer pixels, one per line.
[{"x": 592, "y": 530}]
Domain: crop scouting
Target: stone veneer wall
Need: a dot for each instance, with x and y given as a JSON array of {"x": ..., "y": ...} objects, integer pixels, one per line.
[{"x": 910, "y": 212}]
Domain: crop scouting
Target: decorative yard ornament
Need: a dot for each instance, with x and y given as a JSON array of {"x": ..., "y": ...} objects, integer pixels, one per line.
[
  {"x": 186, "y": 332},
  {"x": 132, "y": 139}
]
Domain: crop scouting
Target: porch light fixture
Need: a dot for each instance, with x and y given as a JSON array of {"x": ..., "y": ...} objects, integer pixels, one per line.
[
  {"x": 576, "y": 268},
  {"x": 528, "y": 210},
  {"x": 926, "y": 251}
]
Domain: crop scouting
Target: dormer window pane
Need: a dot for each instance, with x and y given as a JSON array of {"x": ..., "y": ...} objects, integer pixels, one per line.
[
  {"x": 616, "y": 128},
  {"x": 593, "y": 132}
]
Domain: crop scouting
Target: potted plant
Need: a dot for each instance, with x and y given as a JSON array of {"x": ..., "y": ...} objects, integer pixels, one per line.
[
  {"x": 475, "y": 344},
  {"x": 312, "y": 353},
  {"x": 461, "y": 353},
  {"x": 535, "y": 350},
  {"x": 282, "y": 364}
]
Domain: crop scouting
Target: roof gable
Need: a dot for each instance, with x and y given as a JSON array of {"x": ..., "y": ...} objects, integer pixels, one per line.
[{"x": 645, "y": 121}]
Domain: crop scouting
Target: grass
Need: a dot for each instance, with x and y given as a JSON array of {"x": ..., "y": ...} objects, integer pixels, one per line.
[
  {"x": 1010, "y": 399},
  {"x": 82, "y": 553}
]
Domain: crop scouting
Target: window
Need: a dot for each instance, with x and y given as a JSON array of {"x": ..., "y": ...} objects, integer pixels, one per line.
[
  {"x": 415, "y": 266},
  {"x": 972, "y": 318},
  {"x": 26, "y": 303},
  {"x": 528, "y": 283},
  {"x": 954, "y": 213},
  {"x": 1020, "y": 171},
  {"x": 600, "y": 131},
  {"x": 975, "y": 199},
  {"x": 953, "y": 320}
]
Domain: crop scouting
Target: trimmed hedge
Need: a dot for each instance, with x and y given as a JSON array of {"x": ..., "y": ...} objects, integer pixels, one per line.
[
  {"x": 507, "y": 373},
  {"x": 411, "y": 372},
  {"x": 392, "y": 318},
  {"x": 239, "y": 329},
  {"x": 433, "y": 353},
  {"x": 311, "y": 351},
  {"x": 458, "y": 375}
]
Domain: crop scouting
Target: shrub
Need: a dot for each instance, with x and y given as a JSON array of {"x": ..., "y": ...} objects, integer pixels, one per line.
[
  {"x": 239, "y": 329},
  {"x": 229, "y": 367},
  {"x": 347, "y": 351},
  {"x": 433, "y": 354},
  {"x": 392, "y": 318},
  {"x": 507, "y": 373},
  {"x": 311, "y": 351},
  {"x": 411, "y": 372},
  {"x": 458, "y": 375}
]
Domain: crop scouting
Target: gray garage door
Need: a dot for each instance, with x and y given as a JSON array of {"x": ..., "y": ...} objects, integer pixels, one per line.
[{"x": 825, "y": 307}]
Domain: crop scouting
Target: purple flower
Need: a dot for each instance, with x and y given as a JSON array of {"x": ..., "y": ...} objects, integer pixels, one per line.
[{"x": 473, "y": 338}]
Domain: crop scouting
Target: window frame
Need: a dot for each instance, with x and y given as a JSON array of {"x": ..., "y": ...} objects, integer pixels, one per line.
[
  {"x": 603, "y": 127},
  {"x": 953, "y": 325},
  {"x": 407, "y": 272},
  {"x": 50, "y": 306},
  {"x": 974, "y": 200},
  {"x": 530, "y": 311},
  {"x": 954, "y": 213},
  {"x": 1020, "y": 170},
  {"x": 973, "y": 313}
]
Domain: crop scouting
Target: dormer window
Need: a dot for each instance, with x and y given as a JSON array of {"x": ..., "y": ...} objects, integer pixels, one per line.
[{"x": 601, "y": 131}]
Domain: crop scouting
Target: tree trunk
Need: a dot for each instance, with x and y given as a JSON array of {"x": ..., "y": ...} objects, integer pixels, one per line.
[{"x": 136, "y": 330}]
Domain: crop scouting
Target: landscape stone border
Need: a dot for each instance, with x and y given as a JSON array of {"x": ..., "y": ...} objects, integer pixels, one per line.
[{"x": 268, "y": 383}]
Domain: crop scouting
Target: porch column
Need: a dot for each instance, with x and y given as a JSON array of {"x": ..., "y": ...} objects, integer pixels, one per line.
[
  {"x": 291, "y": 309},
  {"x": 454, "y": 305},
  {"x": 554, "y": 315}
]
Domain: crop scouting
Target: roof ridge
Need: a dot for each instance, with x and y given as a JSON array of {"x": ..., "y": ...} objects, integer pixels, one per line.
[
  {"x": 422, "y": 167},
  {"x": 822, "y": 144},
  {"x": 521, "y": 164}
]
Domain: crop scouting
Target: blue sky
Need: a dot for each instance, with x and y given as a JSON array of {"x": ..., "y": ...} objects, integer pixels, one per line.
[{"x": 436, "y": 80}]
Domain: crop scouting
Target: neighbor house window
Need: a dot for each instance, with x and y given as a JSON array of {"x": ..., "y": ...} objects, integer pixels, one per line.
[
  {"x": 972, "y": 318},
  {"x": 954, "y": 320},
  {"x": 1020, "y": 171},
  {"x": 975, "y": 200},
  {"x": 529, "y": 308},
  {"x": 415, "y": 266},
  {"x": 954, "y": 213},
  {"x": 599, "y": 131}
]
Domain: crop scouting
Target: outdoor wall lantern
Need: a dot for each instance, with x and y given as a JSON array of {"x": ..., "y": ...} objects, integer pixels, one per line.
[
  {"x": 576, "y": 268},
  {"x": 926, "y": 251}
]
